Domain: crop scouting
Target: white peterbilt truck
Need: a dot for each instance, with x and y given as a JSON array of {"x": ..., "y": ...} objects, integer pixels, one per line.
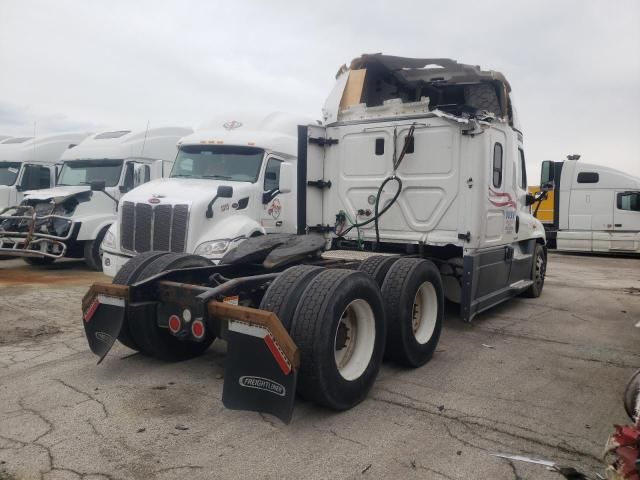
[
  {"x": 232, "y": 179},
  {"x": 71, "y": 219},
  {"x": 595, "y": 208},
  {"x": 416, "y": 186},
  {"x": 28, "y": 164}
]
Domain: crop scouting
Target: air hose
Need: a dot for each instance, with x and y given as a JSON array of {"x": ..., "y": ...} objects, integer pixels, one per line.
[{"x": 377, "y": 212}]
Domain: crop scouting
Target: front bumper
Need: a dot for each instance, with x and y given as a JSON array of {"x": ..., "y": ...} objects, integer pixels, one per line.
[
  {"x": 112, "y": 262},
  {"x": 29, "y": 239}
]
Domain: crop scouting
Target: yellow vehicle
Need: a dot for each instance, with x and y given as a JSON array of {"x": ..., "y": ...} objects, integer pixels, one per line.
[{"x": 544, "y": 210}]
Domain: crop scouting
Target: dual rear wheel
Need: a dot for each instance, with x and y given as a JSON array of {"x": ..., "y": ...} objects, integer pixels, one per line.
[{"x": 343, "y": 320}]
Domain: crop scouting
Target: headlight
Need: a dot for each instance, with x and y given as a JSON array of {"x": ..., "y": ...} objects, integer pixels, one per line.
[
  {"x": 109, "y": 240},
  {"x": 214, "y": 247}
]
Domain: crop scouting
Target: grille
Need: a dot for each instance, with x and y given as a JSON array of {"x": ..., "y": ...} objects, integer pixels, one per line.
[{"x": 161, "y": 227}]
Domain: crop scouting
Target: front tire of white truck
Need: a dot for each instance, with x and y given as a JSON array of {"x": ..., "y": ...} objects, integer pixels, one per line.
[
  {"x": 538, "y": 272},
  {"x": 414, "y": 303},
  {"x": 339, "y": 327},
  {"x": 92, "y": 254}
]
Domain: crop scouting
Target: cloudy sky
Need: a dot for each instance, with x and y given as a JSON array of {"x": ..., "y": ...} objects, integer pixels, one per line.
[{"x": 574, "y": 66}]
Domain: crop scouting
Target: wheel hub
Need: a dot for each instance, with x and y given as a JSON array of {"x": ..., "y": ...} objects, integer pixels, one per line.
[
  {"x": 424, "y": 313},
  {"x": 354, "y": 339},
  {"x": 342, "y": 336}
]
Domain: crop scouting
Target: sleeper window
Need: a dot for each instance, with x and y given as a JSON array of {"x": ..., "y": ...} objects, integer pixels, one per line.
[{"x": 497, "y": 165}]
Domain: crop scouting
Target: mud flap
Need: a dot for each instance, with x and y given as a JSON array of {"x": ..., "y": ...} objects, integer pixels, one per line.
[
  {"x": 258, "y": 377},
  {"x": 102, "y": 322}
]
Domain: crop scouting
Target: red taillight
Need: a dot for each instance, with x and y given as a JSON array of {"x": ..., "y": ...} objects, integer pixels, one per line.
[
  {"x": 174, "y": 324},
  {"x": 197, "y": 329}
]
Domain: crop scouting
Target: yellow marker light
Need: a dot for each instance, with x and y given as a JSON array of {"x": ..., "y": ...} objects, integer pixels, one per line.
[{"x": 219, "y": 142}]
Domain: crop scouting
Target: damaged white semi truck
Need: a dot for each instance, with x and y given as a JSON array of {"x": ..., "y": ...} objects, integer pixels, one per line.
[
  {"x": 416, "y": 186},
  {"x": 28, "y": 164},
  {"x": 71, "y": 219}
]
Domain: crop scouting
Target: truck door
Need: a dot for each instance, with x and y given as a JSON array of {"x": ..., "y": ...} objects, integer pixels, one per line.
[
  {"x": 275, "y": 205},
  {"x": 501, "y": 201},
  {"x": 626, "y": 218},
  {"x": 521, "y": 181}
]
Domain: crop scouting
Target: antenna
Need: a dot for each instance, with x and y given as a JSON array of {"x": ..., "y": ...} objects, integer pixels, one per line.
[
  {"x": 34, "y": 140},
  {"x": 145, "y": 139}
]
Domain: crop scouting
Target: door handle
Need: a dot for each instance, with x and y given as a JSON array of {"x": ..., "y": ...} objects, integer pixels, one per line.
[
  {"x": 279, "y": 223},
  {"x": 618, "y": 225}
]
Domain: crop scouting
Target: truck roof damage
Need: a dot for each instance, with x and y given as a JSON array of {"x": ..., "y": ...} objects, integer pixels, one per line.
[{"x": 376, "y": 81}]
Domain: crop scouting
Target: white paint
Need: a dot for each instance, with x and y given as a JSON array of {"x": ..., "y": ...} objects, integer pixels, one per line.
[
  {"x": 40, "y": 152},
  {"x": 589, "y": 217},
  {"x": 154, "y": 148},
  {"x": 276, "y": 133}
]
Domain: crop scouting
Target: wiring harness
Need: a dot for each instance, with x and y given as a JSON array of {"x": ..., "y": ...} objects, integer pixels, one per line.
[{"x": 377, "y": 213}]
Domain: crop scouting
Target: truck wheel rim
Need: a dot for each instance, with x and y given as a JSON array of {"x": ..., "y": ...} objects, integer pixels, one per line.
[
  {"x": 354, "y": 339},
  {"x": 539, "y": 270},
  {"x": 425, "y": 313}
]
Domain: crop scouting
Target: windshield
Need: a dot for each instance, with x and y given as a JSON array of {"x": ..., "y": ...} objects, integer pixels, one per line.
[
  {"x": 239, "y": 164},
  {"x": 9, "y": 172},
  {"x": 83, "y": 172}
]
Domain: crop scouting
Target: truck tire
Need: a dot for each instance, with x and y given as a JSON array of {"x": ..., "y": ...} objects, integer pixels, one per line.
[
  {"x": 339, "y": 326},
  {"x": 284, "y": 293},
  {"x": 482, "y": 97},
  {"x": 128, "y": 275},
  {"x": 631, "y": 392},
  {"x": 414, "y": 304},
  {"x": 39, "y": 261},
  {"x": 538, "y": 272},
  {"x": 92, "y": 254},
  {"x": 377, "y": 267},
  {"x": 156, "y": 341}
]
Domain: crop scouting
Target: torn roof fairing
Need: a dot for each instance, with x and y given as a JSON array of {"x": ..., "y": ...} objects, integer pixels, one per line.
[
  {"x": 437, "y": 69},
  {"x": 454, "y": 88}
]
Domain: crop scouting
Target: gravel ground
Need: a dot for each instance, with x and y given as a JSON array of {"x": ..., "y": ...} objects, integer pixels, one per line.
[{"x": 542, "y": 378}]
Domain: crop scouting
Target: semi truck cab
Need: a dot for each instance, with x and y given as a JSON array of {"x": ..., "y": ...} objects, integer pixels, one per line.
[
  {"x": 233, "y": 179},
  {"x": 71, "y": 219},
  {"x": 414, "y": 183},
  {"x": 595, "y": 208},
  {"x": 28, "y": 164}
]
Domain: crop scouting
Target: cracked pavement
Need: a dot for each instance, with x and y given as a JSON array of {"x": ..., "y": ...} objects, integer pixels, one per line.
[{"x": 542, "y": 378}]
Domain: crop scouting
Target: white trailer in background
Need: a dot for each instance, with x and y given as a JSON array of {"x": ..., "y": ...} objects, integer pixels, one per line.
[
  {"x": 28, "y": 163},
  {"x": 71, "y": 219},
  {"x": 596, "y": 208},
  {"x": 233, "y": 179}
]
